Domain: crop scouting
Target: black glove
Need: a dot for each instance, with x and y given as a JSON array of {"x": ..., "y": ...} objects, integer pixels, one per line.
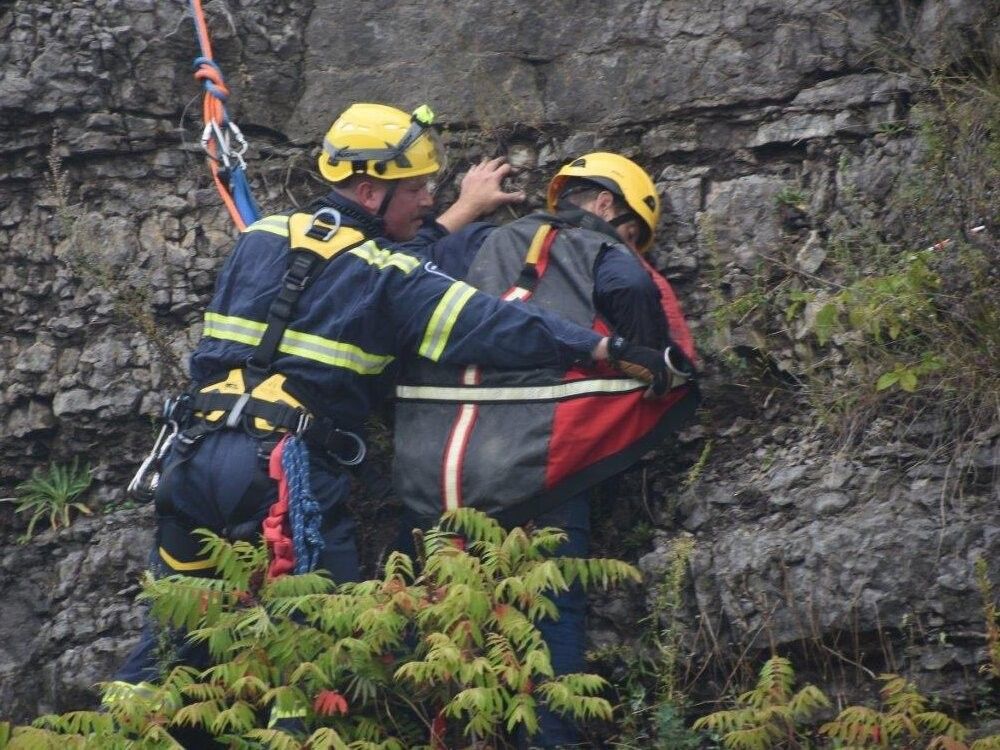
[{"x": 663, "y": 370}]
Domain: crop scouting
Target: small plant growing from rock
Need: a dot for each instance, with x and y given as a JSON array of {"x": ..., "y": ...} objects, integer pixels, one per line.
[
  {"x": 770, "y": 715},
  {"x": 52, "y": 494},
  {"x": 903, "y": 723}
]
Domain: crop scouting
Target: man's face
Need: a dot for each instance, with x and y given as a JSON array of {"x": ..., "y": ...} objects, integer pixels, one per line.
[
  {"x": 408, "y": 206},
  {"x": 603, "y": 205},
  {"x": 630, "y": 232}
]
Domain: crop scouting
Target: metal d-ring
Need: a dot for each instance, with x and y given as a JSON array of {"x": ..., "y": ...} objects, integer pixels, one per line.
[
  {"x": 327, "y": 211},
  {"x": 359, "y": 456}
]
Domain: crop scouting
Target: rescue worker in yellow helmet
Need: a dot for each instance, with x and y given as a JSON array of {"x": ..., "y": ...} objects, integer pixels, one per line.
[
  {"x": 311, "y": 310},
  {"x": 536, "y": 457},
  {"x": 631, "y": 203}
]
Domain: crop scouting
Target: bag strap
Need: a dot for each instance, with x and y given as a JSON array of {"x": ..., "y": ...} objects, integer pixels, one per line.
[{"x": 535, "y": 263}]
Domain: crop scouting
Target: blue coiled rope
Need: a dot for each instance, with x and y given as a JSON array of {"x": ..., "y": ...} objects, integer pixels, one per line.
[{"x": 304, "y": 515}]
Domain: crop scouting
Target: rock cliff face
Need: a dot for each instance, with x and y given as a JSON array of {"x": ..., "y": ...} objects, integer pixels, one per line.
[{"x": 764, "y": 122}]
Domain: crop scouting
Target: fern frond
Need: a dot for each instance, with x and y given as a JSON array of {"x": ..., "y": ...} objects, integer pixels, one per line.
[
  {"x": 723, "y": 722},
  {"x": 473, "y": 525},
  {"x": 239, "y": 717},
  {"x": 36, "y": 738},
  {"x": 941, "y": 724},
  {"x": 806, "y": 702},
  {"x": 200, "y": 714},
  {"x": 751, "y": 738},
  {"x": 522, "y": 711},
  {"x": 274, "y": 739},
  {"x": 775, "y": 684},
  {"x": 398, "y": 565}
]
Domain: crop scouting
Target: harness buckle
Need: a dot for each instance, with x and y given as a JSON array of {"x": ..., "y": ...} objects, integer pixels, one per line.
[
  {"x": 296, "y": 284},
  {"x": 233, "y": 418},
  {"x": 305, "y": 421}
]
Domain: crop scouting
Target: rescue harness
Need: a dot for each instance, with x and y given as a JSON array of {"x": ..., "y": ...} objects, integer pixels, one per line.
[{"x": 261, "y": 402}]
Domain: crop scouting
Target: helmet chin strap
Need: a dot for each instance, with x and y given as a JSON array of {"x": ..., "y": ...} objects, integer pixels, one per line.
[{"x": 390, "y": 191}]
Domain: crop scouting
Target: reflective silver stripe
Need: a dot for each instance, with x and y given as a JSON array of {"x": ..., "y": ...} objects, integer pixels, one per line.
[
  {"x": 336, "y": 353},
  {"x": 231, "y": 328},
  {"x": 454, "y": 452},
  {"x": 458, "y": 441},
  {"x": 443, "y": 320},
  {"x": 484, "y": 394},
  {"x": 516, "y": 293}
]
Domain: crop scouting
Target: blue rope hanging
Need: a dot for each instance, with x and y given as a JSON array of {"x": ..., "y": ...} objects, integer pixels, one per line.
[{"x": 303, "y": 511}]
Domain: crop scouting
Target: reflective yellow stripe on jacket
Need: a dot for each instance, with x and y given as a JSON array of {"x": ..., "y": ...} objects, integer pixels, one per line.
[
  {"x": 274, "y": 224},
  {"x": 305, "y": 345},
  {"x": 374, "y": 255},
  {"x": 443, "y": 320}
]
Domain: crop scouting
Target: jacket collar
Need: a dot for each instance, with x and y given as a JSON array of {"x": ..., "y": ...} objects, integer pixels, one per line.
[
  {"x": 353, "y": 215},
  {"x": 577, "y": 217}
]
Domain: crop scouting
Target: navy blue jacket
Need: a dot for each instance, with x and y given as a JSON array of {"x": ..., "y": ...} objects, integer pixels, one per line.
[{"x": 365, "y": 308}]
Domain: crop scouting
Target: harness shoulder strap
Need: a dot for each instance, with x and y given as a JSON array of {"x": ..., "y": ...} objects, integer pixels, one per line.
[{"x": 314, "y": 239}]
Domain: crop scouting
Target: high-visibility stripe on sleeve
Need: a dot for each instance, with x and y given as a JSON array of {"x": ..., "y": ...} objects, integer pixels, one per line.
[
  {"x": 231, "y": 328},
  {"x": 520, "y": 393},
  {"x": 306, "y": 345},
  {"x": 373, "y": 255},
  {"x": 274, "y": 224},
  {"x": 443, "y": 320}
]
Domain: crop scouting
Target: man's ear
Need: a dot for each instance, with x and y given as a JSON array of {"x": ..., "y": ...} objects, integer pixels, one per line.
[
  {"x": 604, "y": 205},
  {"x": 368, "y": 193}
]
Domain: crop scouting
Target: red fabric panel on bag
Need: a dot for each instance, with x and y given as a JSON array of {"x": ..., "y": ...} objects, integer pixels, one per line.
[
  {"x": 679, "y": 331},
  {"x": 588, "y": 429}
]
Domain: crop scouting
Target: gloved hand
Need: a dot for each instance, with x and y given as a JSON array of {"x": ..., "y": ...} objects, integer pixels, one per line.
[{"x": 663, "y": 370}]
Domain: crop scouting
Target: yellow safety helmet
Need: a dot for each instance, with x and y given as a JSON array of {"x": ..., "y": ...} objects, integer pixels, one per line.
[
  {"x": 621, "y": 176},
  {"x": 381, "y": 141}
]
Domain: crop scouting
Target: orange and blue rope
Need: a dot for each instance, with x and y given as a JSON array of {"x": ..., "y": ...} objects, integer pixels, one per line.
[{"x": 230, "y": 180}]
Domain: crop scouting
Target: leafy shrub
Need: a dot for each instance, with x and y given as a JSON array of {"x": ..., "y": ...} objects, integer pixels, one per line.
[
  {"x": 901, "y": 318},
  {"x": 903, "y": 722},
  {"x": 770, "y": 715},
  {"x": 447, "y": 655}
]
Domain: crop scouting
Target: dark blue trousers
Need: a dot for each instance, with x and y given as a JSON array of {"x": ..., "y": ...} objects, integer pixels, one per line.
[{"x": 220, "y": 487}]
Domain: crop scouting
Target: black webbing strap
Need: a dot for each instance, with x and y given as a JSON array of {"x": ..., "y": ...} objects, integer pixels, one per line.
[
  {"x": 296, "y": 279},
  {"x": 239, "y": 409},
  {"x": 237, "y": 406}
]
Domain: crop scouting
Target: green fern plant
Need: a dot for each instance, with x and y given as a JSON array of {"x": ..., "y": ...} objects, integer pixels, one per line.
[
  {"x": 904, "y": 722},
  {"x": 770, "y": 715},
  {"x": 52, "y": 495},
  {"x": 447, "y": 655}
]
